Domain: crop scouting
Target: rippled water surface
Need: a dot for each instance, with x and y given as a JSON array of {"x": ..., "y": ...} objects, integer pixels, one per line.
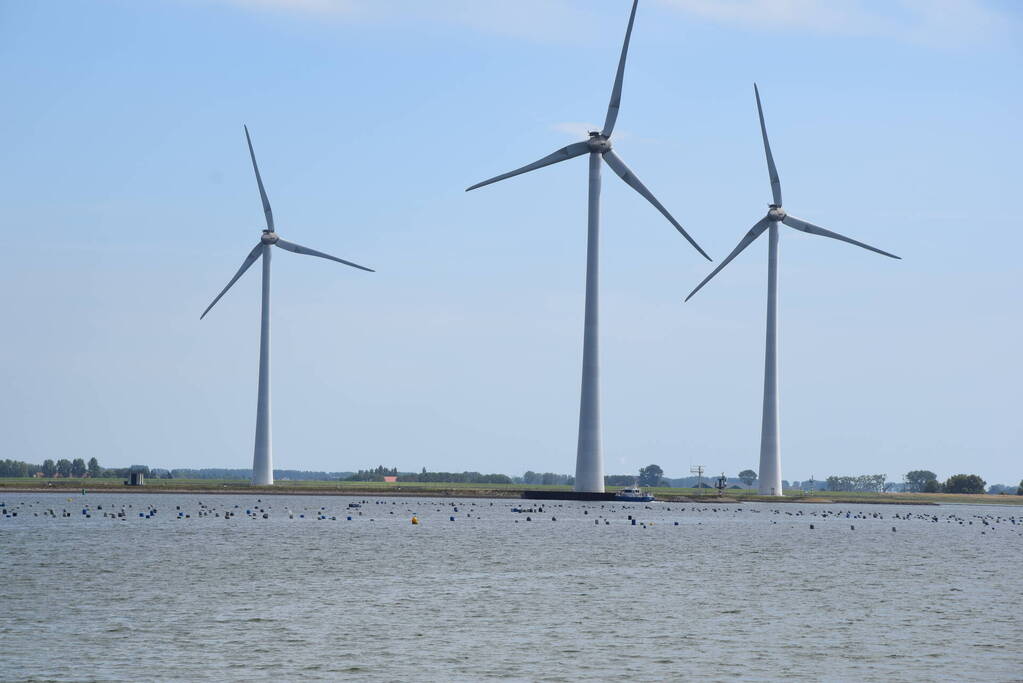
[{"x": 730, "y": 592}]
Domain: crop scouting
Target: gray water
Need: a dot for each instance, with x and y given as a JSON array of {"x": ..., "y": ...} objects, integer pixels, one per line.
[{"x": 732, "y": 592}]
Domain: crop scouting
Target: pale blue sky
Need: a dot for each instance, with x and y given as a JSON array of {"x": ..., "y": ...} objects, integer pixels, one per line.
[{"x": 128, "y": 201}]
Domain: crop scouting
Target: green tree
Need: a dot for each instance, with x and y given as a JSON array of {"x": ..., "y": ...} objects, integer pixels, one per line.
[
  {"x": 747, "y": 477},
  {"x": 1019, "y": 491},
  {"x": 650, "y": 475},
  {"x": 965, "y": 483},
  {"x": 932, "y": 486},
  {"x": 94, "y": 469},
  {"x": 78, "y": 468},
  {"x": 49, "y": 469},
  {"x": 64, "y": 467},
  {"x": 916, "y": 479}
]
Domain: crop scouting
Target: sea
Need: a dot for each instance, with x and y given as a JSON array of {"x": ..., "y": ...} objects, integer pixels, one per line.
[{"x": 198, "y": 587}]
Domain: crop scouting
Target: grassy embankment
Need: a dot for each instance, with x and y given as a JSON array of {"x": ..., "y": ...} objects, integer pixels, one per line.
[{"x": 353, "y": 488}]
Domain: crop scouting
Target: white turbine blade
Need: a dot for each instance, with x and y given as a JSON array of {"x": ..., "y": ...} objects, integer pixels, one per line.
[
  {"x": 249, "y": 260},
  {"x": 775, "y": 182},
  {"x": 747, "y": 240},
  {"x": 623, "y": 171},
  {"x": 800, "y": 224},
  {"x": 259, "y": 180},
  {"x": 563, "y": 154},
  {"x": 616, "y": 91},
  {"x": 299, "y": 249}
]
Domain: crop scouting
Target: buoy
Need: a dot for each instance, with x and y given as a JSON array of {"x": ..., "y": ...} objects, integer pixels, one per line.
[{"x": 415, "y": 520}]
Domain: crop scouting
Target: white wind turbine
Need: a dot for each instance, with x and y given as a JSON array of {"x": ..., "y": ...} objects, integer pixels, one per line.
[
  {"x": 589, "y": 468},
  {"x": 262, "y": 459},
  {"x": 770, "y": 457}
]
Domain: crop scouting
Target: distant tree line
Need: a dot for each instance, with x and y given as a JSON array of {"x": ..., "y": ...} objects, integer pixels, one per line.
[
  {"x": 864, "y": 482},
  {"x": 60, "y": 468},
  {"x": 921, "y": 481},
  {"x": 548, "y": 479},
  {"x": 456, "y": 477},
  {"x": 378, "y": 474},
  {"x": 284, "y": 475}
]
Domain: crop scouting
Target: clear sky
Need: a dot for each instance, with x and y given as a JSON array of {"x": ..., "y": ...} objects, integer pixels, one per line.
[{"x": 128, "y": 202}]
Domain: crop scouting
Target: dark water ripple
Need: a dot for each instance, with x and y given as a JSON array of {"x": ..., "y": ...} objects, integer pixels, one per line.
[{"x": 732, "y": 593}]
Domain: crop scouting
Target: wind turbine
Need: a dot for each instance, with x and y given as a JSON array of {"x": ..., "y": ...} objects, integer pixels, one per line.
[
  {"x": 589, "y": 467},
  {"x": 262, "y": 459},
  {"x": 770, "y": 458}
]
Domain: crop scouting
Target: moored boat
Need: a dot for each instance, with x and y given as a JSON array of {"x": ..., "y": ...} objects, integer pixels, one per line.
[{"x": 634, "y": 495}]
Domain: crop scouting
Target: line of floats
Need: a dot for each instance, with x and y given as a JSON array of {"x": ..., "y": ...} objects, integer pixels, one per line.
[{"x": 601, "y": 514}]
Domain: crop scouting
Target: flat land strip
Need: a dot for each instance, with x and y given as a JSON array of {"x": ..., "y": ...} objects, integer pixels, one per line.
[{"x": 442, "y": 489}]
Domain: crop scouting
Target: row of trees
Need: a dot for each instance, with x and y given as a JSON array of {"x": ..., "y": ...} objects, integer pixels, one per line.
[
  {"x": 922, "y": 481},
  {"x": 378, "y": 474},
  {"x": 548, "y": 479},
  {"x": 456, "y": 477},
  {"x": 865, "y": 482},
  {"x": 50, "y": 468},
  {"x": 925, "y": 481}
]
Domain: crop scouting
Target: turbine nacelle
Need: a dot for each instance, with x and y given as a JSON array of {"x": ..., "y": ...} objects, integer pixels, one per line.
[
  {"x": 776, "y": 213},
  {"x": 599, "y": 142},
  {"x": 269, "y": 237}
]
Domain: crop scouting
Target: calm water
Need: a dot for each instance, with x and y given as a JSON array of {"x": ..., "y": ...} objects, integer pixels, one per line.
[{"x": 738, "y": 593}]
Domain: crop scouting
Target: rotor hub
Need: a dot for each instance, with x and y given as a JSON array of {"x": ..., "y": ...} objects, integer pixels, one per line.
[
  {"x": 598, "y": 142},
  {"x": 269, "y": 237},
  {"x": 776, "y": 213}
]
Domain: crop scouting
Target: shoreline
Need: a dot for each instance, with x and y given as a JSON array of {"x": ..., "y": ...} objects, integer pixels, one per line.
[{"x": 220, "y": 487}]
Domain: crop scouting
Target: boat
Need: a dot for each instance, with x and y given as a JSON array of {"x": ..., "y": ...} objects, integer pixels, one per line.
[{"x": 633, "y": 495}]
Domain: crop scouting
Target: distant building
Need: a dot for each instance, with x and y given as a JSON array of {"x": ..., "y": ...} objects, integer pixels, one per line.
[
  {"x": 136, "y": 475},
  {"x": 390, "y": 478}
]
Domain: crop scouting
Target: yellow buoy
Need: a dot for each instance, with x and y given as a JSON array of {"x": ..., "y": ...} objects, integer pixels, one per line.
[{"x": 415, "y": 520}]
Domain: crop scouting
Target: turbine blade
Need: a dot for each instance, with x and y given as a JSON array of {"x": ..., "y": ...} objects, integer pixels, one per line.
[
  {"x": 299, "y": 249},
  {"x": 772, "y": 171},
  {"x": 800, "y": 224},
  {"x": 616, "y": 91},
  {"x": 249, "y": 260},
  {"x": 623, "y": 171},
  {"x": 563, "y": 154},
  {"x": 259, "y": 180},
  {"x": 747, "y": 240}
]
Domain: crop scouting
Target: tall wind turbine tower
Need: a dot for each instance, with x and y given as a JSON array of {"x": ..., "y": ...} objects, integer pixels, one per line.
[
  {"x": 262, "y": 457},
  {"x": 770, "y": 456},
  {"x": 589, "y": 466}
]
